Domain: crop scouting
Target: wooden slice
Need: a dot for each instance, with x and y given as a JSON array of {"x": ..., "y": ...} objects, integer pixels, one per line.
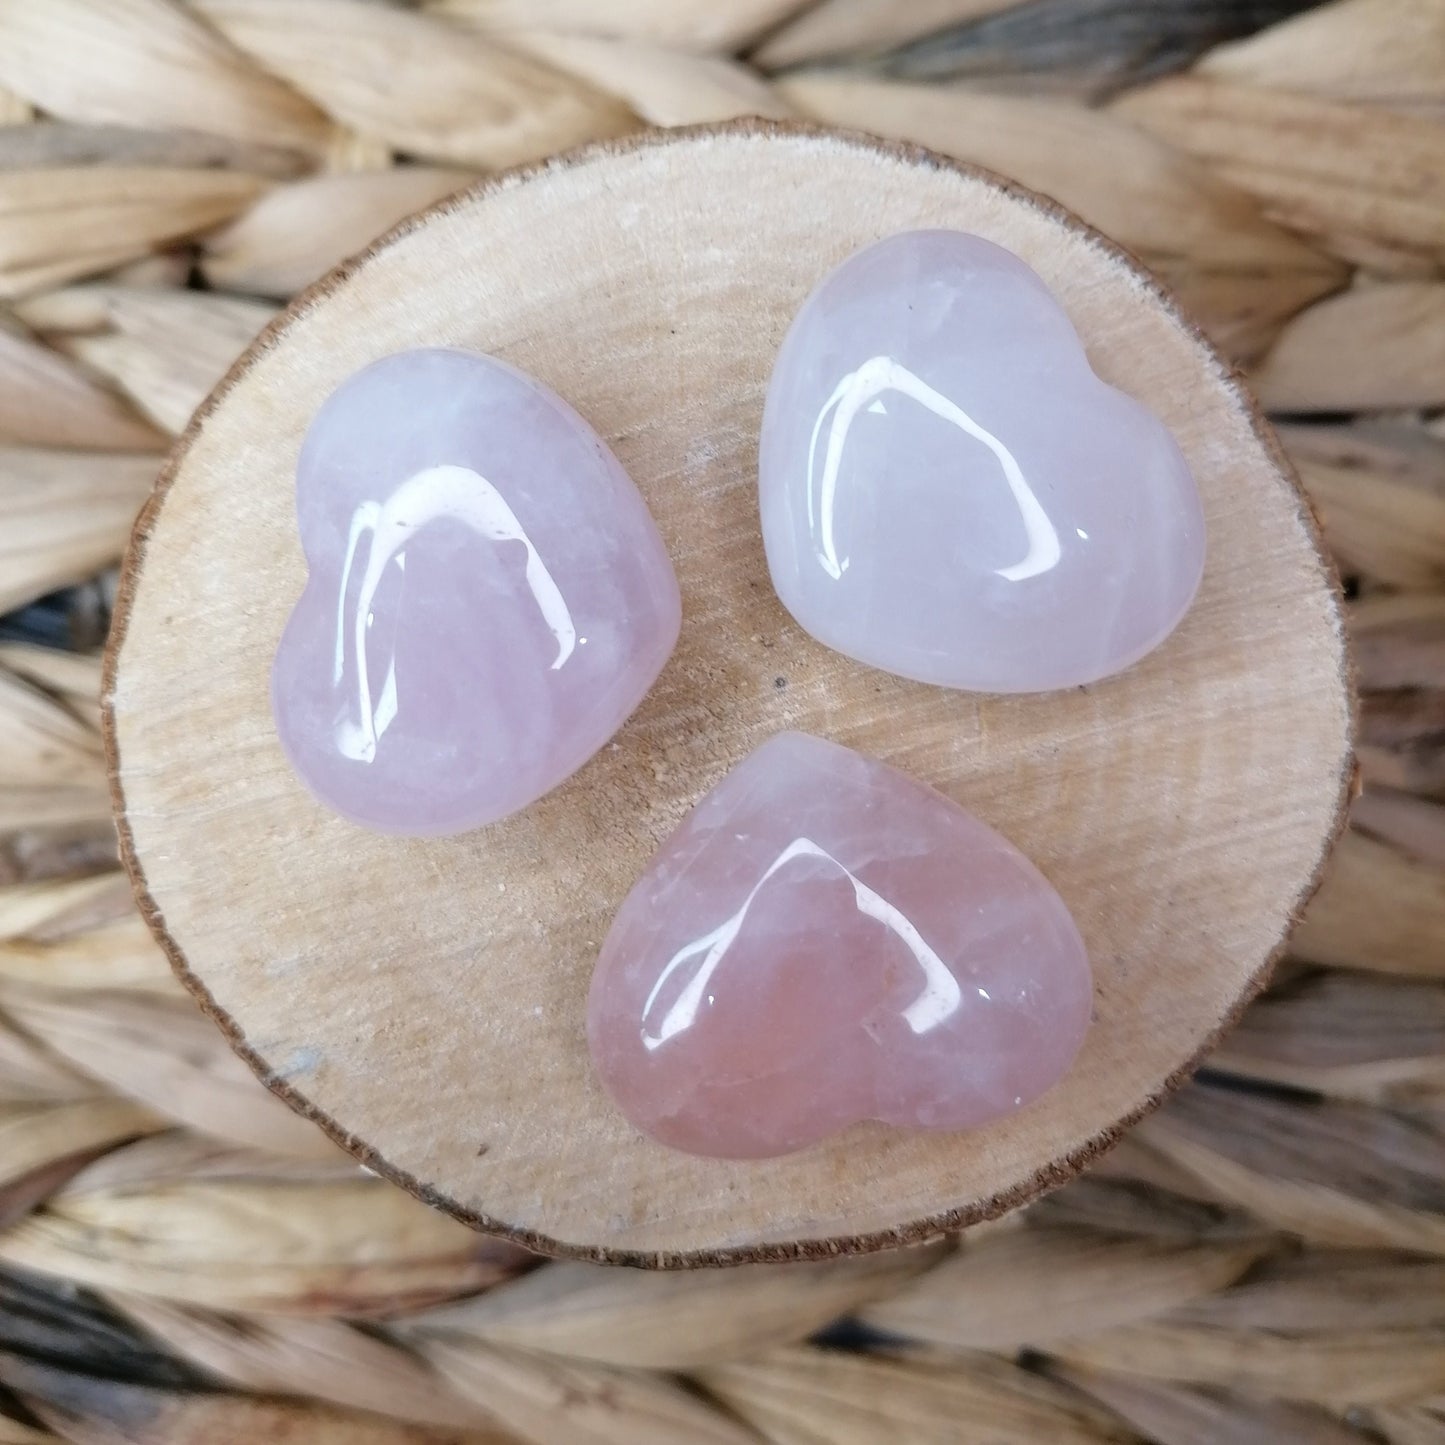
[{"x": 423, "y": 1001}]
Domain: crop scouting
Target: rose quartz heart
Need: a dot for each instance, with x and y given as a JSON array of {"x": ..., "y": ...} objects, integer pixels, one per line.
[
  {"x": 823, "y": 941},
  {"x": 487, "y": 599},
  {"x": 950, "y": 493}
]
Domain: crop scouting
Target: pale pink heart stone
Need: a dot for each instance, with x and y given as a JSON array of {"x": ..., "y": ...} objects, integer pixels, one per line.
[
  {"x": 825, "y": 940},
  {"x": 950, "y": 493},
  {"x": 487, "y": 600}
]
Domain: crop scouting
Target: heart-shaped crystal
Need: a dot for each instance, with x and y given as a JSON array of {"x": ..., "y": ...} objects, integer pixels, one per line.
[
  {"x": 488, "y": 596},
  {"x": 950, "y": 493},
  {"x": 825, "y": 940}
]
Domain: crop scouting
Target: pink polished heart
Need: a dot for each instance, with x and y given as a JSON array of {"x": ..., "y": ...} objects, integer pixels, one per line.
[
  {"x": 950, "y": 493},
  {"x": 487, "y": 600},
  {"x": 823, "y": 941}
]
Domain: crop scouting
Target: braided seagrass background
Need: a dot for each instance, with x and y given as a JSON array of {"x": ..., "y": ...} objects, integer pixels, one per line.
[{"x": 182, "y": 1260}]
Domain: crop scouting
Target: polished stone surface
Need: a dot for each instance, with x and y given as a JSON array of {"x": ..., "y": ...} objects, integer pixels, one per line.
[
  {"x": 488, "y": 597},
  {"x": 825, "y": 940},
  {"x": 949, "y": 492}
]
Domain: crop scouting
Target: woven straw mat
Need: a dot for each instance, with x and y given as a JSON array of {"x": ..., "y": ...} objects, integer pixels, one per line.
[{"x": 182, "y": 1260}]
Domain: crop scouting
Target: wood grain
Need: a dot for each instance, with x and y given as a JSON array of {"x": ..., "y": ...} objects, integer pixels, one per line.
[{"x": 423, "y": 999}]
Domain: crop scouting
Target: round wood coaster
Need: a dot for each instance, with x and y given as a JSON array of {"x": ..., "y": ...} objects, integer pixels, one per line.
[{"x": 423, "y": 1000}]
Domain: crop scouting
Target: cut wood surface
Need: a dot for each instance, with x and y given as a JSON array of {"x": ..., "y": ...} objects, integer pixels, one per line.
[{"x": 423, "y": 999}]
